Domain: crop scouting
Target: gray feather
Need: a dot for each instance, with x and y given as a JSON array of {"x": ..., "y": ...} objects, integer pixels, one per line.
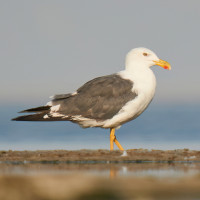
[{"x": 100, "y": 98}]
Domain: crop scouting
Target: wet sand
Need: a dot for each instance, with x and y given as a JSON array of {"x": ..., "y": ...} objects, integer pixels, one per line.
[{"x": 100, "y": 174}]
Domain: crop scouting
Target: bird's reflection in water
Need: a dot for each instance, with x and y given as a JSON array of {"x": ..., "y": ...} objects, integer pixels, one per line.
[{"x": 114, "y": 171}]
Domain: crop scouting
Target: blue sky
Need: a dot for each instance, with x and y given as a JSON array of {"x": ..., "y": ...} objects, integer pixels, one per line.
[{"x": 51, "y": 47}]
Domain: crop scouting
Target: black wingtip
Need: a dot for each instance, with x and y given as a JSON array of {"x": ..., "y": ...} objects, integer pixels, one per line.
[
  {"x": 35, "y": 117},
  {"x": 21, "y": 118},
  {"x": 38, "y": 109}
]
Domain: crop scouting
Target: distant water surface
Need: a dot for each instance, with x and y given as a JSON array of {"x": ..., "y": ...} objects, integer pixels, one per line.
[{"x": 159, "y": 127}]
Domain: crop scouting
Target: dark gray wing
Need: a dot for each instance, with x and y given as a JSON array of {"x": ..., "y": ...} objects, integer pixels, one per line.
[{"x": 100, "y": 98}]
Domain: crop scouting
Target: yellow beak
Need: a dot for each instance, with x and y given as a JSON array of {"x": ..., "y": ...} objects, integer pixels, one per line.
[{"x": 163, "y": 64}]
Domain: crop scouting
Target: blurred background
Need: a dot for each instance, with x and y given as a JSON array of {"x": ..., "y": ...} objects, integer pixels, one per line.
[{"x": 51, "y": 47}]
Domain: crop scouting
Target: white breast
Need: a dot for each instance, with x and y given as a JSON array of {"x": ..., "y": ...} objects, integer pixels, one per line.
[{"x": 144, "y": 85}]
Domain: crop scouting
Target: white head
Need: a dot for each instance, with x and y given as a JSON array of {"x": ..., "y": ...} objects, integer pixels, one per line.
[{"x": 144, "y": 58}]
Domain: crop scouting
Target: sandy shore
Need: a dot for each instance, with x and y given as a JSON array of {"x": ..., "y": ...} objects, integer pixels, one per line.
[{"x": 101, "y": 155}]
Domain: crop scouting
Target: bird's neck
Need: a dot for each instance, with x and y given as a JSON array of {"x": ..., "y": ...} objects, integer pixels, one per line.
[
  {"x": 136, "y": 67},
  {"x": 139, "y": 73}
]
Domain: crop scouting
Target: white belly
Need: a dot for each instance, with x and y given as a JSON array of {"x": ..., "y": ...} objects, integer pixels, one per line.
[{"x": 144, "y": 85}]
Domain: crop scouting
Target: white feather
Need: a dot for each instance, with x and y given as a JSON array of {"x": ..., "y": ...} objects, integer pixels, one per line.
[
  {"x": 55, "y": 114},
  {"x": 55, "y": 108},
  {"x": 46, "y": 116},
  {"x": 49, "y": 103}
]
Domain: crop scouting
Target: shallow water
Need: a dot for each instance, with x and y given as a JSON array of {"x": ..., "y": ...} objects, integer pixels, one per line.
[{"x": 122, "y": 169}]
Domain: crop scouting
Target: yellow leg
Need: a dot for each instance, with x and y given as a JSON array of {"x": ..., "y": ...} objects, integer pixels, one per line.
[
  {"x": 118, "y": 144},
  {"x": 114, "y": 139}
]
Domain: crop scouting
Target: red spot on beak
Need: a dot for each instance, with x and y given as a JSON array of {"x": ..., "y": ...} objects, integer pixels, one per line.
[{"x": 165, "y": 67}]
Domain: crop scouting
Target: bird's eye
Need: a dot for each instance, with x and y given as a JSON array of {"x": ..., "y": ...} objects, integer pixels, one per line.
[{"x": 145, "y": 54}]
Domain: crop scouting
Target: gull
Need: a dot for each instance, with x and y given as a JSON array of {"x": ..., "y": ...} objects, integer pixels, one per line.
[{"x": 108, "y": 101}]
